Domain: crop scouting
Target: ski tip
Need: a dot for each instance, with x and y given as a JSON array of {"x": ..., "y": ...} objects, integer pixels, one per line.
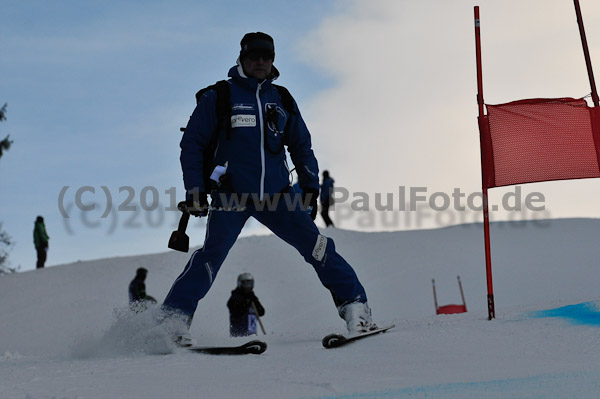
[
  {"x": 333, "y": 340},
  {"x": 255, "y": 347}
]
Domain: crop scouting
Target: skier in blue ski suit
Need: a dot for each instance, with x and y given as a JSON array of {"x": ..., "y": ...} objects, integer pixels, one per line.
[{"x": 254, "y": 181}]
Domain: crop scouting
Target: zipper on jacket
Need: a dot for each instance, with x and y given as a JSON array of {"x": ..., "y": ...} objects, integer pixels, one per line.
[{"x": 262, "y": 143}]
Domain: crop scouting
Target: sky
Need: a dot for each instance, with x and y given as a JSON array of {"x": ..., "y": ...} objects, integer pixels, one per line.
[{"x": 97, "y": 91}]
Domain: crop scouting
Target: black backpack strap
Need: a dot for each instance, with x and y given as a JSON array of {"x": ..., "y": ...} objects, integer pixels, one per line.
[
  {"x": 288, "y": 103},
  {"x": 223, "y": 112},
  {"x": 222, "y": 105},
  {"x": 286, "y": 99},
  {"x": 220, "y": 86}
]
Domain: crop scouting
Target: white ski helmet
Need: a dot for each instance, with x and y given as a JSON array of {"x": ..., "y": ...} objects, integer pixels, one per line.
[{"x": 245, "y": 280}]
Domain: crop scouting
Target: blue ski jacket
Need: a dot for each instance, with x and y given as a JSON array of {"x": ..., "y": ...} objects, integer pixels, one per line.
[{"x": 253, "y": 153}]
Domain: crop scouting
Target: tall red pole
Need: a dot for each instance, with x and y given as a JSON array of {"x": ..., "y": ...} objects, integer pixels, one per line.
[
  {"x": 586, "y": 53},
  {"x": 478, "y": 58},
  {"x": 486, "y": 215}
]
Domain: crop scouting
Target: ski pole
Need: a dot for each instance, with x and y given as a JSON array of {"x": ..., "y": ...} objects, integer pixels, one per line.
[
  {"x": 462, "y": 294},
  {"x": 435, "y": 302},
  {"x": 258, "y": 318}
]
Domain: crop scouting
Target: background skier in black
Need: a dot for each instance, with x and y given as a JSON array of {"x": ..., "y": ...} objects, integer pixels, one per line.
[
  {"x": 40, "y": 240},
  {"x": 138, "y": 299},
  {"x": 242, "y": 317},
  {"x": 326, "y": 198}
]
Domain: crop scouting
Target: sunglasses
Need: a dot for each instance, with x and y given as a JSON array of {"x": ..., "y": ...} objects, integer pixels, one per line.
[{"x": 256, "y": 56}]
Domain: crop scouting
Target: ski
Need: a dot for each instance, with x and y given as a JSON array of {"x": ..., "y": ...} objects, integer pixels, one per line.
[
  {"x": 337, "y": 340},
  {"x": 252, "y": 347}
]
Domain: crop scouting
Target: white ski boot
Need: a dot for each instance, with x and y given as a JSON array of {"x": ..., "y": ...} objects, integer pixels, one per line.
[{"x": 358, "y": 317}]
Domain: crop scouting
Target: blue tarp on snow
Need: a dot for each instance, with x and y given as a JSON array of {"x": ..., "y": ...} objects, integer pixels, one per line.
[{"x": 587, "y": 313}]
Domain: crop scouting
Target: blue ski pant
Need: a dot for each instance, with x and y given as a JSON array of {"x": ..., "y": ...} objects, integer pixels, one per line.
[{"x": 294, "y": 226}]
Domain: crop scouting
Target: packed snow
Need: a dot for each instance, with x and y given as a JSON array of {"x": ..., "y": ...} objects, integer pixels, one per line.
[{"x": 66, "y": 332}]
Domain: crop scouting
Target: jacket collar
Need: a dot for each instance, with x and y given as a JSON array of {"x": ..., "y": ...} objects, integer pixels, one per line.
[{"x": 236, "y": 72}]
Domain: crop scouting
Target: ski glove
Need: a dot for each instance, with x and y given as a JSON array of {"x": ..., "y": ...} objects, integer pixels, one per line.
[
  {"x": 197, "y": 205},
  {"x": 309, "y": 200}
]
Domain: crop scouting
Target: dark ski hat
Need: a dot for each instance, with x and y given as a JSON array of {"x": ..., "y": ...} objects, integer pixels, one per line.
[
  {"x": 257, "y": 43},
  {"x": 141, "y": 271}
]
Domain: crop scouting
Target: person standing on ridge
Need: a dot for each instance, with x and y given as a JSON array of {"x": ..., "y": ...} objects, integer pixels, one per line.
[
  {"x": 249, "y": 162},
  {"x": 40, "y": 240}
]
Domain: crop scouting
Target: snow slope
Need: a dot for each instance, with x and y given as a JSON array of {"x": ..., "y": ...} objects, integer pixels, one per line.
[{"x": 64, "y": 332}]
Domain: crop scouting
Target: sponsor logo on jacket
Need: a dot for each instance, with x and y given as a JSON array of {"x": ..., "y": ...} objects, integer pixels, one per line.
[
  {"x": 320, "y": 247},
  {"x": 242, "y": 107},
  {"x": 243, "y": 121}
]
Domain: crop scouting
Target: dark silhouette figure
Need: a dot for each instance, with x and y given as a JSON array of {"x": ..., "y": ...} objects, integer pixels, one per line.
[
  {"x": 138, "y": 299},
  {"x": 40, "y": 240},
  {"x": 259, "y": 121},
  {"x": 326, "y": 197},
  {"x": 242, "y": 315}
]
